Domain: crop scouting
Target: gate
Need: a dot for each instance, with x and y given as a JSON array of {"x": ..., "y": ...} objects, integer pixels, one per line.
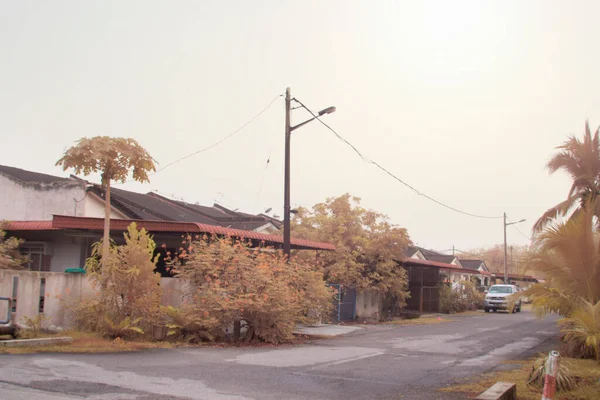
[{"x": 345, "y": 303}]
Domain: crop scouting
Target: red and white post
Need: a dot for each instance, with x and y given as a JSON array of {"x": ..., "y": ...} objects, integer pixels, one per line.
[{"x": 550, "y": 377}]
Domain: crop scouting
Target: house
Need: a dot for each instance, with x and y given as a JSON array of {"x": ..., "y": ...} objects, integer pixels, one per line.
[
  {"x": 428, "y": 269},
  {"x": 60, "y": 218},
  {"x": 421, "y": 253},
  {"x": 478, "y": 265}
]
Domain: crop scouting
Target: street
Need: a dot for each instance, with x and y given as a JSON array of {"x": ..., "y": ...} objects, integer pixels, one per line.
[{"x": 378, "y": 362}]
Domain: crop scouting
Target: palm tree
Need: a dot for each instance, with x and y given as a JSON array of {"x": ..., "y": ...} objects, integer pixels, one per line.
[
  {"x": 581, "y": 160},
  {"x": 568, "y": 253},
  {"x": 113, "y": 158}
]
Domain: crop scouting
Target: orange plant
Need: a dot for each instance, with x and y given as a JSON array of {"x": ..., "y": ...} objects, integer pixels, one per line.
[{"x": 250, "y": 289}]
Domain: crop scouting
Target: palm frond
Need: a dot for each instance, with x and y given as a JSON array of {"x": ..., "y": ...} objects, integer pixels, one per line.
[{"x": 551, "y": 214}]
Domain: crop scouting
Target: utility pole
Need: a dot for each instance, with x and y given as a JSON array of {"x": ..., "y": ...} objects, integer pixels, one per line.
[
  {"x": 453, "y": 250},
  {"x": 512, "y": 263},
  {"x": 286, "y": 186},
  {"x": 505, "y": 254},
  {"x": 287, "y": 210}
]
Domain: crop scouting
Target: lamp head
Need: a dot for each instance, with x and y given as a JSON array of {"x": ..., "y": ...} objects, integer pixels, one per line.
[{"x": 327, "y": 110}]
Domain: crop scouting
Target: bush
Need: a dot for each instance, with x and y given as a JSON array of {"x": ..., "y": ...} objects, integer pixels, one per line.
[
  {"x": 128, "y": 291},
  {"x": 234, "y": 285},
  {"x": 581, "y": 331},
  {"x": 465, "y": 297}
]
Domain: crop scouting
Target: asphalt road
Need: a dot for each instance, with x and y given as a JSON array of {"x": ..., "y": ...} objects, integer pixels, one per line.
[{"x": 378, "y": 362}]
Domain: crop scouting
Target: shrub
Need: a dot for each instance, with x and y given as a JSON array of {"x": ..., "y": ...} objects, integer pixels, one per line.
[
  {"x": 581, "y": 331},
  {"x": 465, "y": 297},
  {"x": 564, "y": 379},
  {"x": 233, "y": 284},
  {"x": 31, "y": 327},
  {"x": 128, "y": 290},
  {"x": 9, "y": 251}
]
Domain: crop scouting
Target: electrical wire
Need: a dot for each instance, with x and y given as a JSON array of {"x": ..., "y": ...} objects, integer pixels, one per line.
[
  {"x": 214, "y": 144},
  {"x": 518, "y": 230},
  {"x": 262, "y": 181},
  {"x": 375, "y": 163}
]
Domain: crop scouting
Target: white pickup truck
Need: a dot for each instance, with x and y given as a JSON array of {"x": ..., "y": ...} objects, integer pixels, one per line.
[{"x": 496, "y": 298}]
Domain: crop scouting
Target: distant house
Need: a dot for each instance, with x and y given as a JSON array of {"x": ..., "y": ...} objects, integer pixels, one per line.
[
  {"x": 60, "y": 218},
  {"x": 478, "y": 265},
  {"x": 421, "y": 253},
  {"x": 428, "y": 269}
]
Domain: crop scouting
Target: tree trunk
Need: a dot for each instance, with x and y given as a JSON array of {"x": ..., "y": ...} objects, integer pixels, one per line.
[
  {"x": 106, "y": 237},
  {"x": 237, "y": 329}
]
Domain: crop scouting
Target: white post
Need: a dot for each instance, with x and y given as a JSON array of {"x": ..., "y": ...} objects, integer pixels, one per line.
[{"x": 550, "y": 377}]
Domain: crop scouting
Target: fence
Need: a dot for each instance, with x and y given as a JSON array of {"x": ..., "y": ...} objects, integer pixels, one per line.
[{"x": 35, "y": 292}]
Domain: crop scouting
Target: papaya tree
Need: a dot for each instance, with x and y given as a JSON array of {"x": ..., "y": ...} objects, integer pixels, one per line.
[{"x": 113, "y": 159}]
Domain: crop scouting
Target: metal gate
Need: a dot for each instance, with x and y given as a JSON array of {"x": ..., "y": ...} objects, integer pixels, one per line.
[{"x": 345, "y": 303}]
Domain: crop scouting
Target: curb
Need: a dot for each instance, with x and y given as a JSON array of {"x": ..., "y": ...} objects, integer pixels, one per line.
[{"x": 36, "y": 342}]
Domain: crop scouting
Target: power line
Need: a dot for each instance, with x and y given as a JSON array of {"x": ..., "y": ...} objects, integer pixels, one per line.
[
  {"x": 518, "y": 230},
  {"x": 214, "y": 144},
  {"x": 369, "y": 161}
]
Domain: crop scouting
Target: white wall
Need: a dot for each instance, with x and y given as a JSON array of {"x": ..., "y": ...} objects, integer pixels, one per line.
[
  {"x": 24, "y": 202},
  {"x": 368, "y": 305},
  {"x": 93, "y": 206},
  {"x": 66, "y": 253}
]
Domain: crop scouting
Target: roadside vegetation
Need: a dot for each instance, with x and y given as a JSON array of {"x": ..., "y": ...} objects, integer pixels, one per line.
[
  {"x": 464, "y": 298},
  {"x": 567, "y": 250},
  {"x": 10, "y": 258},
  {"x": 367, "y": 247},
  {"x": 583, "y": 374},
  {"x": 233, "y": 292}
]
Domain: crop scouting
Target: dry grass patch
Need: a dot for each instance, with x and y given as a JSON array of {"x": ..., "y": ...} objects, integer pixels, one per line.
[
  {"x": 87, "y": 343},
  {"x": 586, "y": 371}
]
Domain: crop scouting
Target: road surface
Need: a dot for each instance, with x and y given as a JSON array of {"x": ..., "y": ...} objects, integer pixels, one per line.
[{"x": 379, "y": 362}]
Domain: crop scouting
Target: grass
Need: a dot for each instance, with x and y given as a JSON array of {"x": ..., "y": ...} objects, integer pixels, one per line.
[
  {"x": 87, "y": 343},
  {"x": 587, "y": 372}
]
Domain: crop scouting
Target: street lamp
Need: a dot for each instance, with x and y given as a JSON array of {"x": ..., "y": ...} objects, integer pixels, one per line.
[
  {"x": 286, "y": 187},
  {"x": 505, "y": 249}
]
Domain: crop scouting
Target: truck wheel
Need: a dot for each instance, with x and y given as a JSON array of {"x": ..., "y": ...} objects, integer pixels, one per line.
[{"x": 486, "y": 309}]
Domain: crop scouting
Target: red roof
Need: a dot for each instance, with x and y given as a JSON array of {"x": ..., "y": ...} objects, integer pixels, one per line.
[
  {"x": 66, "y": 222},
  {"x": 29, "y": 226},
  {"x": 442, "y": 265}
]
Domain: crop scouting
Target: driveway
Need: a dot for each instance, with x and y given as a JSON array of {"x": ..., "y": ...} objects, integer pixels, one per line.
[{"x": 377, "y": 362}]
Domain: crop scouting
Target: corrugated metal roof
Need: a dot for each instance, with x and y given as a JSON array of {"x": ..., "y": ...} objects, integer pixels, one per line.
[
  {"x": 66, "y": 222},
  {"x": 29, "y": 226},
  {"x": 442, "y": 265}
]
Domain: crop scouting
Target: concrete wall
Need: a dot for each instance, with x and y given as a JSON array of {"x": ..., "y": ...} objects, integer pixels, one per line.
[
  {"x": 93, "y": 206},
  {"x": 61, "y": 287},
  {"x": 26, "y": 202},
  {"x": 38, "y": 202},
  {"x": 368, "y": 305},
  {"x": 67, "y": 253}
]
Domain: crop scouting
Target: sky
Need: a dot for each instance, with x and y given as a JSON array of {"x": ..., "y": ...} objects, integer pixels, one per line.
[{"x": 463, "y": 100}]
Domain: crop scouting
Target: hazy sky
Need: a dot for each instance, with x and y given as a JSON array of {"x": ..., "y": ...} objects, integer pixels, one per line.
[{"x": 463, "y": 100}]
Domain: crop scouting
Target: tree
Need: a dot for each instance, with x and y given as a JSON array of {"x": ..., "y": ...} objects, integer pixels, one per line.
[
  {"x": 568, "y": 254},
  {"x": 9, "y": 251},
  {"x": 581, "y": 160},
  {"x": 367, "y": 245},
  {"x": 494, "y": 258},
  {"x": 231, "y": 283},
  {"x": 113, "y": 158}
]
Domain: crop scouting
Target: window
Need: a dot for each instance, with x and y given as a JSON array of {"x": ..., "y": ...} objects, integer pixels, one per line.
[{"x": 35, "y": 254}]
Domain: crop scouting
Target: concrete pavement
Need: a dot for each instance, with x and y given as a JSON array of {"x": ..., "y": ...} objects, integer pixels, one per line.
[{"x": 377, "y": 362}]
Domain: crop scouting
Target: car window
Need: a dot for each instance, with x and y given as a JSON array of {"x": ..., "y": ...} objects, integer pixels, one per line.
[{"x": 500, "y": 289}]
